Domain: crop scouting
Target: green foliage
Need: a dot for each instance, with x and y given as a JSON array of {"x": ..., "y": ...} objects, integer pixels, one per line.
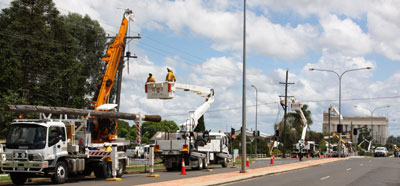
[
  {"x": 126, "y": 131},
  {"x": 322, "y": 146},
  {"x": 47, "y": 59},
  {"x": 201, "y": 127},
  {"x": 150, "y": 128}
]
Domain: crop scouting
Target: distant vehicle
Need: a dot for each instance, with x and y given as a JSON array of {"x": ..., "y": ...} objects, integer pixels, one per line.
[
  {"x": 381, "y": 151},
  {"x": 335, "y": 152}
]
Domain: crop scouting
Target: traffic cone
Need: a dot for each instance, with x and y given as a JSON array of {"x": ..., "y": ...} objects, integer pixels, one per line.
[
  {"x": 247, "y": 161},
  {"x": 331, "y": 156},
  {"x": 272, "y": 159},
  {"x": 297, "y": 156},
  {"x": 325, "y": 155},
  {"x": 183, "y": 170},
  {"x": 308, "y": 156}
]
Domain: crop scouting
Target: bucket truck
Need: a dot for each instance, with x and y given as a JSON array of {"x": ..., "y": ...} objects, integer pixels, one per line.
[
  {"x": 308, "y": 146},
  {"x": 57, "y": 148},
  {"x": 198, "y": 149}
]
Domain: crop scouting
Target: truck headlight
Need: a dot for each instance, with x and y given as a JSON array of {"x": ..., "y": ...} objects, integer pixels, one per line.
[
  {"x": 16, "y": 155},
  {"x": 23, "y": 155}
]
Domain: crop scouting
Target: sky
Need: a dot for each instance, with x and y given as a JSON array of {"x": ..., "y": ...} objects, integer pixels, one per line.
[{"x": 202, "y": 40}]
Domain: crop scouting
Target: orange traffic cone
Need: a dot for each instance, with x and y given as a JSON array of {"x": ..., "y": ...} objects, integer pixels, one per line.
[
  {"x": 247, "y": 161},
  {"x": 237, "y": 157},
  {"x": 297, "y": 156},
  {"x": 183, "y": 170},
  {"x": 308, "y": 156},
  {"x": 325, "y": 155},
  {"x": 331, "y": 156},
  {"x": 272, "y": 159}
]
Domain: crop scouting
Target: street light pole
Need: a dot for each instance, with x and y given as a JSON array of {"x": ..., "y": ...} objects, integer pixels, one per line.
[
  {"x": 340, "y": 97},
  {"x": 243, "y": 132},
  {"x": 372, "y": 115},
  {"x": 256, "y": 136}
]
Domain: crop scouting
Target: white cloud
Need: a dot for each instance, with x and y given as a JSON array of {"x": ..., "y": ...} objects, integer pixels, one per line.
[{"x": 344, "y": 36}]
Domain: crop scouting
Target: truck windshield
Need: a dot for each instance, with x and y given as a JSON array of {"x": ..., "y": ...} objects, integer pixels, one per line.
[{"x": 26, "y": 136}]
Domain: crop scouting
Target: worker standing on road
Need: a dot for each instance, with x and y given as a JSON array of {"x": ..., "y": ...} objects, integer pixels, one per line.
[
  {"x": 396, "y": 152},
  {"x": 301, "y": 152},
  {"x": 170, "y": 76},
  {"x": 150, "y": 78},
  {"x": 108, "y": 161}
]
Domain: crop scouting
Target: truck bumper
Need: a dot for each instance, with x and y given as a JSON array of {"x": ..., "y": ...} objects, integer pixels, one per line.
[{"x": 24, "y": 165}]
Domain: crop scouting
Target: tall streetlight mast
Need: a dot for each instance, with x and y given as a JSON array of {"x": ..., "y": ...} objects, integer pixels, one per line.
[
  {"x": 256, "y": 133},
  {"x": 340, "y": 98},
  {"x": 243, "y": 132},
  {"x": 372, "y": 114}
]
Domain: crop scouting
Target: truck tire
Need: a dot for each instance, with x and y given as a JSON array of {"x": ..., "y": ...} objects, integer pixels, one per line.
[
  {"x": 224, "y": 162},
  {"x": 200, "y": 142},
  {"x": 199, "y": 164},
  {"x": 18, "y": 178},
  {"x": 121, "y": 168},
  {"x": 205, "y": 165},
  {"x": 60, "y": 173},
  {"x": 100, "y": 171}
]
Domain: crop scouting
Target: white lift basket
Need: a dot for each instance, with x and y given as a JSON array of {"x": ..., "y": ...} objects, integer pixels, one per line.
[{"x": 161, "y": 90}]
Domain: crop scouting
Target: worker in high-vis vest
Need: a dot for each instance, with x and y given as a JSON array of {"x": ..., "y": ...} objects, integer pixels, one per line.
[
  {"x": 108, "y": 161},
  {"x": 170, "y": 76},
  {"x": 150, "y": 78}
]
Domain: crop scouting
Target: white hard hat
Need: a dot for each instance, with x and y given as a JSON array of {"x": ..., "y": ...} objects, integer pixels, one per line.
[{"x": 170, "y": 69}]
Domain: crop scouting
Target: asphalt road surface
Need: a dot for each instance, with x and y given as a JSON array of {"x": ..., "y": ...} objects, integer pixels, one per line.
[
  {"x": 140, "y": 178},
  {"x": 354, "y": 172}
]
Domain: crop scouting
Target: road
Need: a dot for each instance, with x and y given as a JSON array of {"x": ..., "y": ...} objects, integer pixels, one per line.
[
  {"x": 136, "y": 179},
  {"x": 354, "y": 171}
]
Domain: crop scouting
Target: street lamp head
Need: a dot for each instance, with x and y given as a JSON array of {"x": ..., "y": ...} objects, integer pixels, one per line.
[
  {"x": 368, "y": 68},
  {"x": 311, "y": 69},
  {"x": 388, "y": 106},
  {"x": 253, "y": 86}
]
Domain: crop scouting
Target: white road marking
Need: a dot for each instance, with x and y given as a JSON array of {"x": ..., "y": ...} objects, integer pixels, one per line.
[
  {"x": 361, "y": 164},
  {"x": 348, "y": 169},
  {"x": 326, "y": 177}
]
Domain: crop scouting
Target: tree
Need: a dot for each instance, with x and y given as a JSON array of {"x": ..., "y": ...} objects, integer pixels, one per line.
[
  {"x": 47, "y": 59},
  {"x": 150, "y": 128},
  {"x": 322, "y": 146},
  {"x": 200, "y": 126},
  {"x": 126, "y": 131}
]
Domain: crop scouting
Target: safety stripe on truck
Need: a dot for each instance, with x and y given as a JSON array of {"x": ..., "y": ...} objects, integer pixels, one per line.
[{"x": 99, "y": 153}]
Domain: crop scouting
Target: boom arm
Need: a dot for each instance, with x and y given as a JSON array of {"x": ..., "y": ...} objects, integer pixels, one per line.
[
  {"x": 194, "y": 116},
  {"x": 105, "y": 129},
  {"x": 297, "y": 107},
  {"x": 112, "y": 58}
]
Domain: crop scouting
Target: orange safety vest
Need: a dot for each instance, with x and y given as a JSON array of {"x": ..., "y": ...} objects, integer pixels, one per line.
[
  {"x": 151, "y": 79},
  {"x": 170, "y": 77},
  {"x": 107, "y": 158}
]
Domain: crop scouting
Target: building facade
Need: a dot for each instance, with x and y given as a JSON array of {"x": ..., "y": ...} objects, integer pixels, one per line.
[{"x": 377, "y": 124}]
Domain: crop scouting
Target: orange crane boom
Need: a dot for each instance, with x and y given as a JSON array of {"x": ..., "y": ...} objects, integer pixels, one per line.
[{"x": 105, "y": 129}]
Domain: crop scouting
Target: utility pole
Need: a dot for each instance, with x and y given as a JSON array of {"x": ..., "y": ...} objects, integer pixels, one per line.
[
  {"x": 120, "y": 69},
  {"x": 284, "y": 116}
]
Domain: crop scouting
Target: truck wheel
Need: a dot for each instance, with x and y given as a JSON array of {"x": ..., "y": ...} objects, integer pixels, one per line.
[
  {"x": 60, "y": 173},
  {"x": 121, "y": 168},
  {"x": 205, "y": 165},
  {"x": 18, "y": 178},
  {"x": 224, "y": 162},
  {"x": 100, "y": 171},
  {"x": 199, "y": 164}
]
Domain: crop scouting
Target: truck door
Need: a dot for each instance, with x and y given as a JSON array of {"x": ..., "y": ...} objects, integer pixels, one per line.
[{"x": 57, "y": 144}]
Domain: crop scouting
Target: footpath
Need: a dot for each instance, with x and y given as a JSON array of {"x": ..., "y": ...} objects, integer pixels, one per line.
[{"x": 217, "y": 179}]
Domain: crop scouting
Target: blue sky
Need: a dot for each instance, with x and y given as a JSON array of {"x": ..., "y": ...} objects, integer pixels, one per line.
[{"x": 202, "y": 41}]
